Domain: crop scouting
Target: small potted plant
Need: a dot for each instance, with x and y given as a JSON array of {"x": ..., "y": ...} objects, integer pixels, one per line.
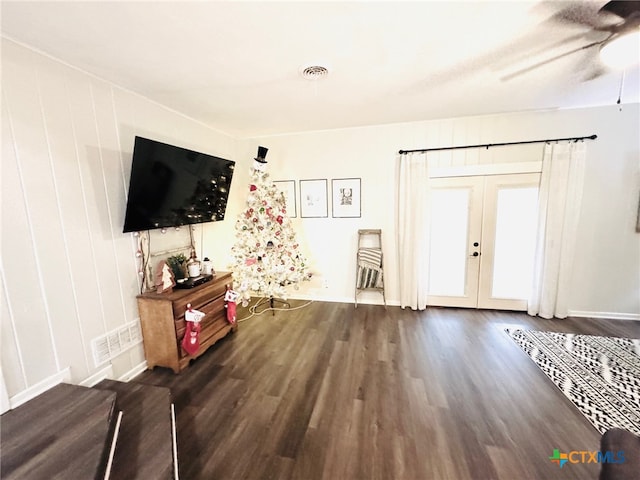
[{"x": 178, "y": 265}]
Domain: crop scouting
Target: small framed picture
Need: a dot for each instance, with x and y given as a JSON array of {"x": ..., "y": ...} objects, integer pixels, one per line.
[
  {"x": 313, "y": 198},
  {"x": 345, "y": 196},
  {"x": 288, "y": 188}
]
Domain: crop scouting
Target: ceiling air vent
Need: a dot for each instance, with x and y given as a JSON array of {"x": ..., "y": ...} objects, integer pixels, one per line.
[{"x": 314, "y": 72}]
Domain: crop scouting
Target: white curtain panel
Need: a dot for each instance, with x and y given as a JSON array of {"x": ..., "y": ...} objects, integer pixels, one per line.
[
  {"x": 412, "y": 224},
  {"x": 559, "y": 204}
]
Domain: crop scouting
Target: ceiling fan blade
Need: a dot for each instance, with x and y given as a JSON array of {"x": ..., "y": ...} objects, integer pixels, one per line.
[
  {"x": 606, "y": 18},
  {"x": 501, "y": 64},
  {"x": 580, "y": 14},
  {"x": 522, "y": 71},
  {"x": 623, "y": 9}
]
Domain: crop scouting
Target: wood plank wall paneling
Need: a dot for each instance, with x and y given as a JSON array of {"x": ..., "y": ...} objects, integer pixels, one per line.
[
  {"x": 53, "y": 86},
  {"x": 69, "y": 274},
  {"x": 27, "y": 306}
]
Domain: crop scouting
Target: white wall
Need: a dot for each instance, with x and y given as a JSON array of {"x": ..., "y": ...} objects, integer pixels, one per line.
[
  {"x": 69, "y": 274},
  {"x": 606, "y": 278}
]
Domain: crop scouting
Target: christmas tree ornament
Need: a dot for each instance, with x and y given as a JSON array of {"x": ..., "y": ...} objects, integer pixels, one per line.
[{"x": 260, "y": 164}]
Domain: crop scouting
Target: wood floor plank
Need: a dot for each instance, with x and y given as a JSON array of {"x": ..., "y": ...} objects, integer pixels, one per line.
[{"x": 332, "y": 392}]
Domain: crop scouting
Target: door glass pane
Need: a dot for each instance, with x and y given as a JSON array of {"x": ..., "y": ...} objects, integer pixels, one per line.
[
  {"x": 516, "y": 220},
  {"x": 449, "y": 231}
]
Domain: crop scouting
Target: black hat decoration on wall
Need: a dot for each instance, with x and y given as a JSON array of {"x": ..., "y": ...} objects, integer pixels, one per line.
[{"x": 262, "y": 153}]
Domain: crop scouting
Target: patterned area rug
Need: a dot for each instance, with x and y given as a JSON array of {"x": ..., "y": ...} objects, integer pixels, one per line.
[{"x": 600, "y": 375}]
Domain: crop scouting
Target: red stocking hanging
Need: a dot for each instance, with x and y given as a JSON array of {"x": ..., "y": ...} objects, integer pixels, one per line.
[
  {"x": 191, "y": 339},
  {"x": 230, "y": 298}
]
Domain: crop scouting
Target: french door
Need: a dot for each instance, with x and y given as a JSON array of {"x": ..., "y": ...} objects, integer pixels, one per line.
[{"x": 482, "y": 240}]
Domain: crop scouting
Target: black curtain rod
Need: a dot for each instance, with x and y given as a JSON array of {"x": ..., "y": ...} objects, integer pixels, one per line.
[{"x": 487, "y": 145}]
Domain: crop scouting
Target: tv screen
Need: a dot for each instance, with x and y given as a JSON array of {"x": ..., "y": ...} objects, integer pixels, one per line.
[{"x": 171, "y": 186}]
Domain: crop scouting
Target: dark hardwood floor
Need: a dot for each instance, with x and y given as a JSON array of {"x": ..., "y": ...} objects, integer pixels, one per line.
[{"x": 333, "y": 392}]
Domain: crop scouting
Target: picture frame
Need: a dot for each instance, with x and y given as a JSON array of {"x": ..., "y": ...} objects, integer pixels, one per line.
[
  {"x": 313, "y": 198},
  {"x": 288, "y": 188},
  {"x": 346, "y": 197}
]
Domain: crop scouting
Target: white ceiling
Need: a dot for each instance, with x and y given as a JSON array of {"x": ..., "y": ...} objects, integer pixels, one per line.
[{"x": 235, "y": 65}]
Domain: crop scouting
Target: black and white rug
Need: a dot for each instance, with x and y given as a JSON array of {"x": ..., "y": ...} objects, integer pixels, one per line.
[{"x": 600, "y": 375}]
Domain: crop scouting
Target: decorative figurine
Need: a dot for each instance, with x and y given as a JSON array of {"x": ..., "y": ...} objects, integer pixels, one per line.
[{"x": 164, "y": 280}]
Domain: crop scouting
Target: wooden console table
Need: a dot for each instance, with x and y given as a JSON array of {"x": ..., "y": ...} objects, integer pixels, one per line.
[{"x": 163, "y": 324}]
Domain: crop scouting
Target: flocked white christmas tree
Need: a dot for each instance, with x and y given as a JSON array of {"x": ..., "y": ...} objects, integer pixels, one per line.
[{"x": 266, "y": 255}]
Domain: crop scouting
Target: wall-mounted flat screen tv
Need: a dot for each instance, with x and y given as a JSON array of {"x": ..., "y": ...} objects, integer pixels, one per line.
[{"x": 172, "y": 186}]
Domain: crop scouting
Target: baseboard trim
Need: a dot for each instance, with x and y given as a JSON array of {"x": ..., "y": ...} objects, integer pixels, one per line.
[
  {"x": 40, "y": 387},
  {"x": 396, "y": 303},
  {"x": 361, "y": 301},
  {"x": 605, "y": 315},
  {"x": 134, "y": 372},
  {"x": 65, "y": 376},
  {"x": 106, "y": 372}
]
